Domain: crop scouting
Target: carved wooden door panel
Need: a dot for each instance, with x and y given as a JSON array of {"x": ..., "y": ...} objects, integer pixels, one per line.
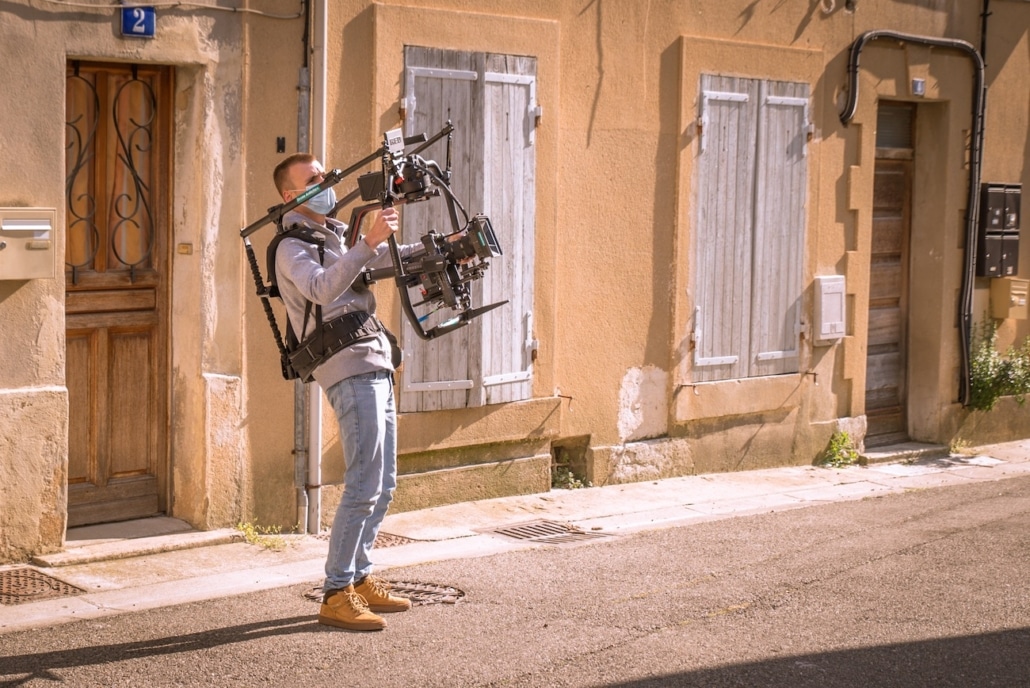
[{"x": 116, "y": 256}]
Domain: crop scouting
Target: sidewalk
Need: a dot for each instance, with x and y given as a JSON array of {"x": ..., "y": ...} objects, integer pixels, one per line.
[{"x": 170, "y": 564}]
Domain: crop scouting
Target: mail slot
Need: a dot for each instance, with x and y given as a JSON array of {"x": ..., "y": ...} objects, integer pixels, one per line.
[
  {"x": 27, "y": 243},
  {"x": 1008, "y": 298}
]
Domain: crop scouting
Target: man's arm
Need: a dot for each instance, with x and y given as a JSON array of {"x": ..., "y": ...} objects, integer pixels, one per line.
[{"x": 297, "y": 261}]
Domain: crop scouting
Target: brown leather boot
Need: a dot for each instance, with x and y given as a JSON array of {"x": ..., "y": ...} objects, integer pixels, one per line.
[
  {"x": 347, "y": 609},
  {"x": 376, "y": 592}
]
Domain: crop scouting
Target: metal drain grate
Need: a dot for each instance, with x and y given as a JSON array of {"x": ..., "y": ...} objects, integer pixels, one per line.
[
  {"x": 419, "y": 593},
  {"x": 24, "y": 584},
  {"x": 546, "y": 532},
  {"x": 382, "y": 539}
]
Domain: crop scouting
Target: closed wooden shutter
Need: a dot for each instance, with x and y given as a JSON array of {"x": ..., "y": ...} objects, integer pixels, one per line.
[
  {"x": 725, "y": 213},
  {"x": 508, "y": 193},
  {"x": 490, "y": 100},
  {"x": 780, "y": 198},
  {"x": 751, "y": 191}
]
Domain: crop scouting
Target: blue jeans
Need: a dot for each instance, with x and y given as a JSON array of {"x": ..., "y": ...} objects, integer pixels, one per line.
[{"x": 368, "y": 433}]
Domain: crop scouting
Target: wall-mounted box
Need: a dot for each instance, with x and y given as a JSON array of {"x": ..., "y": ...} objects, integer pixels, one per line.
[
  {"x": 1009, "y": 255},
  {"x": 829, "y": 309},
  {"x": 1013, "y": 192},
  {"x": 1008, "y": 298},
  {"x": 27, "y": 243},
  {"x": 997, "y": 239},
  {"x": 988, "y": 256}
]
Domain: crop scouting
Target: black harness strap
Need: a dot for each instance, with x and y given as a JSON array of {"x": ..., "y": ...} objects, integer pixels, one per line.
[{"x": 327, "y": 338}]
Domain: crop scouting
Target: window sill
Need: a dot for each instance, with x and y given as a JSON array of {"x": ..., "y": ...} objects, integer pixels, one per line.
[{"x": 737, "y": 397}]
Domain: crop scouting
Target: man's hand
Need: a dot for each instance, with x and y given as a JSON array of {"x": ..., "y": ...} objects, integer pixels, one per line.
[{"x": 383, "y": 227}]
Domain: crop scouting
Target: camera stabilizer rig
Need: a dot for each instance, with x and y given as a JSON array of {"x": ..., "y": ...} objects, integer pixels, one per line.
[
  {"x": 442, "y": 270},
  {"x": 447, "y": 264}
]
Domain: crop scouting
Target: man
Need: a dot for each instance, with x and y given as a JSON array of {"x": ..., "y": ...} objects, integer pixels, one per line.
[{"x": 357, "y": 381}]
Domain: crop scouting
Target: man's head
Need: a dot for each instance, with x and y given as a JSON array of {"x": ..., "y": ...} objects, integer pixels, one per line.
[{"x": 294, "y": 175}]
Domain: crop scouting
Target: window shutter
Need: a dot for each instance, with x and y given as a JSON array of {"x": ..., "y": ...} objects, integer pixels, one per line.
[
  {"x": 780, "y": 195},
  {"x": 491, "y": 100},
  {"x": 439, "y": 85},
  {"x": 725, "y": 213},
  {"x": 509, "y": 200},
  {"x": 751, "y": 192}
]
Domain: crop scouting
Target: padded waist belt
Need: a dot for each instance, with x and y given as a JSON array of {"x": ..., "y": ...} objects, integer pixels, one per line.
[{"x": 335, "y": 335}]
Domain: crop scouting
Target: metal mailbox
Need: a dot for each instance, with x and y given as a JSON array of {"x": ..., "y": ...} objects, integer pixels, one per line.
[
  {"x": 997, "y": 245},
  {"x": 27, "y": 243}
]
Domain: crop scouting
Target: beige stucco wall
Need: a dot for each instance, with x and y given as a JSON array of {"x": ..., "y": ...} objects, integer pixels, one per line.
[
  {"x": 618, "y": 85},
  {"x": 208, "y": 453},
  {"x": 33, "y": 405}
]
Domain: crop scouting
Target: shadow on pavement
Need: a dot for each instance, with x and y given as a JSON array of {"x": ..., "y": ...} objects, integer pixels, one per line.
[
  {"x": 990, "y": 659},
  {"x": 28, "y": 667}
]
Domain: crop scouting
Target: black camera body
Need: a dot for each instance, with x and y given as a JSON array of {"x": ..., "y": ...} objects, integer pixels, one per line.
[{"x": 447, "y": 268}]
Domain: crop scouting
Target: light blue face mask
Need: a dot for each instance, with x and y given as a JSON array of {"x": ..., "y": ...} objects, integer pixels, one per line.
[{"x": 323, "y": 202}]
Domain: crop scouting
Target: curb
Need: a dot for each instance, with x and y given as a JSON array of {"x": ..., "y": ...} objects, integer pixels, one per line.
[{"x": 123, "y": 549}]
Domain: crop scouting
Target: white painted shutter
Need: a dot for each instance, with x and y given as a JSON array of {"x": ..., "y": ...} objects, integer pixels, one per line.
[
  {"x": 491, "y": 101},
  {"x": 751, "y": 191},
  {"x": 724, "y": 204},
  {"x": 509, "y": 192},
  {"x": 439, "y": 85},
  {"x": 780, "y": 198}
]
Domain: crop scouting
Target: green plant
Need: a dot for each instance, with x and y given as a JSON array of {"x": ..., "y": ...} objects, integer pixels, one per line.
[
  {"x": 992, "y": 375},
  {"x": 841, "y": 451},
  {"x": 562, "y": 475},
  {"x": 266, "y": 537},
  {"x": 562, "y": 478},
  {"x": 959, "y": 445}
]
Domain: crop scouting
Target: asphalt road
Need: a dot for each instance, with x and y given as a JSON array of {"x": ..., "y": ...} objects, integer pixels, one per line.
[{"x": 925, "y": 588}]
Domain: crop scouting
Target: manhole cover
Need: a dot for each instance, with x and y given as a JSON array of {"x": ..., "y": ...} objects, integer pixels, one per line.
[
  {"x": 382, "y": 539},
  {"x": 388, "y": 540},
  {"x": 25, "y": 584},
  {"x": 419, "y": 593},
  {"x": 547, "y": 532}
]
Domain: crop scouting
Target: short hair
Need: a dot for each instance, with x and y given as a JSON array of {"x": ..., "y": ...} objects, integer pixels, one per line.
[{"x": 283, "y": 169}]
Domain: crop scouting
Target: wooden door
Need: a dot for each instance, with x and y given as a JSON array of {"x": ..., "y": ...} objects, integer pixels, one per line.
[
  {"x": 118, "y": 190},
  {"x": 887, "y": 351}
]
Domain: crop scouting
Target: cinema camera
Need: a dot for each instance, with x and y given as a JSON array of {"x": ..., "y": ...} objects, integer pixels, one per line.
[
  {"x": 441, "y": 272},
  {"x": 448, "y": 263}
]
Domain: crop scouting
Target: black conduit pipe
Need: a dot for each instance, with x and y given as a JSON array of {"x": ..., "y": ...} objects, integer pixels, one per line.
[{"x": 975, "y": 159}]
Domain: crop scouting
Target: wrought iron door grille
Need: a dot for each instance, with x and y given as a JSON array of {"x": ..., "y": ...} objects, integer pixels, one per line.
[{"x": 110, "y": 125}]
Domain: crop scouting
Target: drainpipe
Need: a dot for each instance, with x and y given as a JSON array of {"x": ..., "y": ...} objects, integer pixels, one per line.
[
  {"x": 975, "y": 161},
  {"x": 300, "y": 398},
  {"x": 320, "y": 36}
]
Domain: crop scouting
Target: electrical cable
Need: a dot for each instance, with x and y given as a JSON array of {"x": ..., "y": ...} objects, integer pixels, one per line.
[
  {"x": 174, "y": 4},
  {"x": 975, "y": 162}
]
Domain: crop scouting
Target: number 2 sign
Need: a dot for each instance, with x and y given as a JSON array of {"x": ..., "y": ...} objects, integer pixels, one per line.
[{"x": 140, "y": 22}]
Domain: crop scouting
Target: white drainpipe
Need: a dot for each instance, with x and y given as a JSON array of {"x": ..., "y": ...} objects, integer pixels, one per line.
[{"x": 319, "y": 36}]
